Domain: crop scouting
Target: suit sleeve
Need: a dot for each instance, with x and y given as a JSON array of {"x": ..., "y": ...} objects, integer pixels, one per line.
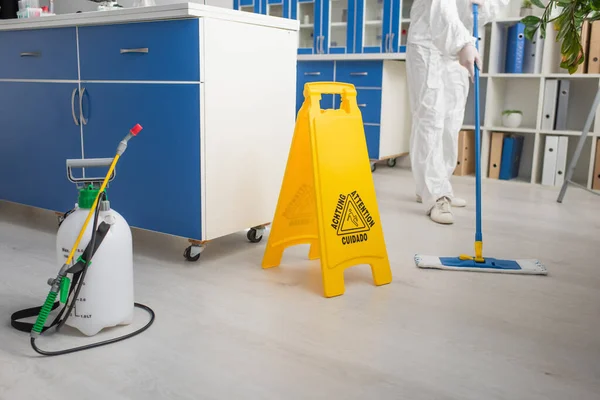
[
  {"x": 490, "y": 10},
  {"x": 448, "y": 33}
]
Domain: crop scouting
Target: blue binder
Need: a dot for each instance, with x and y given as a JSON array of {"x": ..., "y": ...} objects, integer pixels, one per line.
[
  {"x": 512, "y": 147},
  {"x": 515, "y": 49}
]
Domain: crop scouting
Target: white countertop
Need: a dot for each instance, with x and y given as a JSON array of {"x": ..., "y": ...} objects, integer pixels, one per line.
[
  {"x": 139, "y": 14},
  {"x": 352, "y": 56}
]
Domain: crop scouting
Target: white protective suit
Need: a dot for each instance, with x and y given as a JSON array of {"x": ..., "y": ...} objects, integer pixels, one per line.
[{"x": 438, "y": 87}]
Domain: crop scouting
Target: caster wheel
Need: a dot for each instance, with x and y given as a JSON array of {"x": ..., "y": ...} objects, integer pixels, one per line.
[
  {"x": 255, "y": 235},
  {"x": 192, "y": 253},
  {"x": 391, "y": 162},
  {"x": 373, "y": 167}
]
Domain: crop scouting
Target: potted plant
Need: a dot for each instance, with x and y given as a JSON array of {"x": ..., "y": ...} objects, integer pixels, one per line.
[
  {"x": 526, "y": 8},
  {"x": 512, "y": 118},
  {"x": 567, "y": 17}
]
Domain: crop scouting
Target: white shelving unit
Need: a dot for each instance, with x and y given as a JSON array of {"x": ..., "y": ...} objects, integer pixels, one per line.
[{"x": 501, "y": 91}]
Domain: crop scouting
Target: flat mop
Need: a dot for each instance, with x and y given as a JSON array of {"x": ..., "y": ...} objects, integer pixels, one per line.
[{"x": 479, "y": 263}]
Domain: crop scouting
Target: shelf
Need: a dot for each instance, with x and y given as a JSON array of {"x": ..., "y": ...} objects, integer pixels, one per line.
[
  {"x": 405, "y": 20},
  {"x": 564, "y": 133},
  {"x": 305, "y": 26},
  {"x": 512, "y": 130},
  {"x": 574, "y": 76},
  {"x": 375, "y": 22},
  {"x": 339, "y": 24},
  {"x": 519, "y": 76}
]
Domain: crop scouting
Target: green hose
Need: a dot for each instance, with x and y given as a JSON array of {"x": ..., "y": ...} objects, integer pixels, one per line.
[{"x": 43, "y": 315}]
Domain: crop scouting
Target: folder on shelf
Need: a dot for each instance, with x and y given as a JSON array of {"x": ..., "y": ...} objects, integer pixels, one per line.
[
  {"x": 495, "y": 155},
  {"x": 561, "y": 160},
  {"x": 550, "y": 158},
  {"x": 465, "y": 164},
  {"x": 585, "y": 43},
  {"x": 562, "y": 105},
  {"x": 593, "y": 62},
  {"x": 532, "y": 63},
  {"x": 549, "y": 106},
  {"x": 596, "y": 180},
  {"x": 515, "y": 49},
  {"x": 512, "y": 147}
]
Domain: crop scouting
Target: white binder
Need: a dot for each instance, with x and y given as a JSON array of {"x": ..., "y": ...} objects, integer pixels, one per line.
[
  {"x": 563, "y": 105},
  {"x": 561, "y": 160},
  {"x": 550, "y": 156},
  {"x": 532, "y": 64},
  {"x": 549, "y": 108}
]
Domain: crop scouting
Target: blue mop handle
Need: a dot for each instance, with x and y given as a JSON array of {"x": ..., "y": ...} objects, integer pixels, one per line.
[{"x": 478, "y": 234}]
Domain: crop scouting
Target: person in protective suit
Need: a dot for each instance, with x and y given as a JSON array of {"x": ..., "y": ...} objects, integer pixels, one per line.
[{"x": 440, "y": 57}]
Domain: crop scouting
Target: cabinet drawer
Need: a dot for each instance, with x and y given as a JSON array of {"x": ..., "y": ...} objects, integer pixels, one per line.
[
  {"x": 360, "y": 73},
  {"x": 369, "y": 103},
  {"x": 314, "y": 71},
  {"x": 372, "y": 134},
  {"x": 39, "y": 54},
  {"x": 148, "y": 51}
]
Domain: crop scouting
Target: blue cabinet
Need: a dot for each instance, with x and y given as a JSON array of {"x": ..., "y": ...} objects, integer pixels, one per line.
[
  {"x": 381, "y": 97},
  {"x": 153, "y": 190},
  {"x": 341, "y": 26},
  {"x": 39, "y": 132}
]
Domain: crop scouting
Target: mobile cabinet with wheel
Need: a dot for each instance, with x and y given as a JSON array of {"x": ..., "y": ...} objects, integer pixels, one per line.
[
  {"x": 200, "y": 115},
  {"x": 381, "y": 94}
]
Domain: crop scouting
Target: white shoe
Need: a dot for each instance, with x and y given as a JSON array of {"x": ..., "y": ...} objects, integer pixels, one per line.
[
  {"x": 454, "y": 201},
  {"x": 441, "y": 212}
]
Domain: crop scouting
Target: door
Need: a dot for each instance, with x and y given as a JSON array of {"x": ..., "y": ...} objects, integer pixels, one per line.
[
  {"x": 157, "y": 183},
  {"x": 372, "y": 35},
  {"x": 337, "y": 25},
  {"x": 309, "y": 39},
  {"x": 400, "y": 23},
  {"x": 39, "y": 133},
  {"x": 247, "y": 5}
]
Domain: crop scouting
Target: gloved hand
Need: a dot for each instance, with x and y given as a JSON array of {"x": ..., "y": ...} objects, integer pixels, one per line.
[{"x": 468, "y": 57}]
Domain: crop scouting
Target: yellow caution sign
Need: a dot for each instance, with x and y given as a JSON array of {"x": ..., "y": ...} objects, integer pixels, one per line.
[{"x": 327, "y": 198}]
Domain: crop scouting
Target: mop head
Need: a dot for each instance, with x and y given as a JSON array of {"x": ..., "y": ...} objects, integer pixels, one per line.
[{"x": 526, "y": 266}]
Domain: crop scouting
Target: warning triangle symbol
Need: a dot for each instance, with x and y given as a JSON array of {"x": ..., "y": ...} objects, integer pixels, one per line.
[{"x": 352, "y": 220}]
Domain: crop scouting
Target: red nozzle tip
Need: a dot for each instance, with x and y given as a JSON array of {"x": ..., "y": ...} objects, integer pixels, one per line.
[{"x": 136, "y": 129}]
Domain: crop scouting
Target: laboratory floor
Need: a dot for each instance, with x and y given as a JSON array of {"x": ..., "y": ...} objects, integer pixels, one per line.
[{"x": 226, "y": 329}]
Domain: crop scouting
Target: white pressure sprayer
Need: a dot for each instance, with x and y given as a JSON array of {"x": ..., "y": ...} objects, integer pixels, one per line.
[{"x": 99, "y": 294}]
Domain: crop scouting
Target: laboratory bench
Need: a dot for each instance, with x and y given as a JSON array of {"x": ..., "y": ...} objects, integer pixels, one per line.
[{"x": 214, "y": 90}]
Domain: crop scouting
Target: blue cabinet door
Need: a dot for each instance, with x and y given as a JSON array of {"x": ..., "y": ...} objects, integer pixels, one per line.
[
  {"x": 157, "y": 184},
  {"x": 372, "y": 26},
  {"x": 247, "y": 5},
  {"x": 399, "y": 18},
  {"x": 38, "y": 135},
  {"x": 337, "y": 25},
  {"x": 309, "y": 17}
]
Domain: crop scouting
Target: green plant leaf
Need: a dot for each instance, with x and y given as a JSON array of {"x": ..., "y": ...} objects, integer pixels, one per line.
[
  {"x": 531, "y": 20},
  {"x": 530, "y": 31},
  {"x": 538, "y": 3},
  {"x": 594, "y": 5}
]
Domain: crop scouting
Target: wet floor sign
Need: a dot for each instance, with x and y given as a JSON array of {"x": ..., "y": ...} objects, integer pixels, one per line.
[{"x": 327, "y": 198}]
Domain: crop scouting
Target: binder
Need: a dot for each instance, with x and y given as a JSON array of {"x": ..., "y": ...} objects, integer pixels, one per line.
[
  {"x": 585, "y": 43},
  {"x": 532, "y": 63},
  {"x": 596, "y": 180},
  {"x": 561, "y": 160},
  {"x": 512, "y": 148},
  {"x": 550, "y": 156},
  {"x": 515, "y": 49},
  {"x": 465, "y": 164},
  {"x": 549, "y": 107},
  {"x": 593, "y": 64},
  {"x": 562, "y": 105},
  {"x": 495, "y": 155}
]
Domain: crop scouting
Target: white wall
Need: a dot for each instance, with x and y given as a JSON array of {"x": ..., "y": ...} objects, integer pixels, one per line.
[{"x": 71, "y": 6}]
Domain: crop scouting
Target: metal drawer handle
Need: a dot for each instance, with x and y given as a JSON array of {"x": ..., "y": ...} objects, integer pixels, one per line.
[
  {"x": 143, "y": 50},
  {"x": 31, "y": 54},
  {"x": 73, "y": 107},
  {"x": 83, "y": 120},
  {"x": 359, "y": 73},
  {"x": 312, "y": 73},
  {"x": 362, "y": 105},
  {"x": 387, "y": 43}
]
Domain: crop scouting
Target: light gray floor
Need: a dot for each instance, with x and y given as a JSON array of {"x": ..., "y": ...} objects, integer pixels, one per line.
[{"x": 226, "y": 329}]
